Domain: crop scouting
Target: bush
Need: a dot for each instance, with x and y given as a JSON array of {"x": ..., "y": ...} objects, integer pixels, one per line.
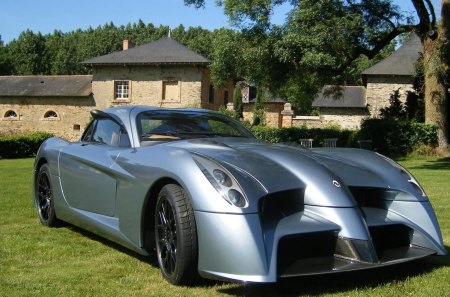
[
  {"x": 22, "y": 146},
  {"x": 397, "y": 138},
  {"x": 346, "y": 138}
]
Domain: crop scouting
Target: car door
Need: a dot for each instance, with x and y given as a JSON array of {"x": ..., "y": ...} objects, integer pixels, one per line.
[{"x": 87, "y": 178}]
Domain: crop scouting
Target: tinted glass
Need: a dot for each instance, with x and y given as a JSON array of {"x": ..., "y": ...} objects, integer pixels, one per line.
[
  {"x": 109, "y": 133},
  {"x": 185, "y": 125}
]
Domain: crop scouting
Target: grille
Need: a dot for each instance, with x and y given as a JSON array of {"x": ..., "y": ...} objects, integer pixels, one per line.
[
  {"x": 277, "y": 205},
  {"x": 390, "y": 240},
  {"x": 298, "y": 253}
]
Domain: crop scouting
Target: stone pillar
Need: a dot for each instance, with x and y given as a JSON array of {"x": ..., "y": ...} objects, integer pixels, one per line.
[
  {"x": 230, "y": 106},
  {"x": 287, "y": 114}
]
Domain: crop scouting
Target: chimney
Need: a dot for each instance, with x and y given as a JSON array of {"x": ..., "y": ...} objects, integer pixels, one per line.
[{"x": 127, "y": 44}]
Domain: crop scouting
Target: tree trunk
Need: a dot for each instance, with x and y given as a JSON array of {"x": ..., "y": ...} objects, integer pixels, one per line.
[{"x": 436, "y": 59}]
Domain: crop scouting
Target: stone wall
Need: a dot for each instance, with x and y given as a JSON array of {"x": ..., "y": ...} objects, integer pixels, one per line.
[
  {"x": 272, "y": 112},
  {"x": 346, "y": 118},
  {"x": 146, "y": 85},
  {"x": 222, "y": 96},
  {"x": 72, "y": 115},
  {"x": 380, "y": 87}
]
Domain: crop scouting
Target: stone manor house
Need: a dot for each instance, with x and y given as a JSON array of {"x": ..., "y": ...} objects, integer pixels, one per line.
[{"x": 165, "y": 73}]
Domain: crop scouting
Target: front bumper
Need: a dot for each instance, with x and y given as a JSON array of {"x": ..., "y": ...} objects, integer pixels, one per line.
[{"x": 248, "y": 248}]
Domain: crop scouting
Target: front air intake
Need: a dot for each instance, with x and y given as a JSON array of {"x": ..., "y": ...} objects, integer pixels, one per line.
[{"x": 275, "y": 206}]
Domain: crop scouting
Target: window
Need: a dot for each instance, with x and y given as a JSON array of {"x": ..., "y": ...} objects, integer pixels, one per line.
[
  {"x": 50, "y": 115},
  {"x": 107, "y": 132},
  {"x": 171, "y": 91},
  {"x": 11, "y": 115},
  {"x": 225, "y": 98},
  {"x": 211, "y": 94},
  {"x": 121, "y": 89}
]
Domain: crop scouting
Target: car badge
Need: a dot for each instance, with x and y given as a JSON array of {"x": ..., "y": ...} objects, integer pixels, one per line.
[{"x": 336, "y": 184}]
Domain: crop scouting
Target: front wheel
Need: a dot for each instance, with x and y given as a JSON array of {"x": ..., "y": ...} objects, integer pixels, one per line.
[
  {"x": 176, "y": 236},
  {"x": 43, "y": 198}
]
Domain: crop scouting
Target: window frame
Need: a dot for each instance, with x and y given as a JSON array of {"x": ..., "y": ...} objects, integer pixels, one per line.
[
  {"x": 171, "y": 82},
  {"x": 7, "y": 117},
  {"x": 122, "y": 83},
  {"x": 123, "y": 137},
  {"x": 46, "y": 116}
]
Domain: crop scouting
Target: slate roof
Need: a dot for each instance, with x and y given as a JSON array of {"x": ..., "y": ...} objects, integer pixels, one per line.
[
  {"x": 46, "y": 86},
  {"x": 351, "y": 96},
  {"x": 162, "y": 51},
  {"x": 400, "y": 62}
]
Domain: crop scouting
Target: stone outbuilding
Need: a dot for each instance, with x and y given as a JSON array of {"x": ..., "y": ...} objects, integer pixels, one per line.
[
  {"x": 56, "y": 104},
  {"x": 346, "y": 106},
  {"x": 162, "y": 73},
  {"x": 396, "y": 72},
  {"x": 356, "y": 103}
]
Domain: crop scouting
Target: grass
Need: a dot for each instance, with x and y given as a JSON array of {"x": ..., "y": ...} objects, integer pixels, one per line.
[{"x": 66, "y": 261}]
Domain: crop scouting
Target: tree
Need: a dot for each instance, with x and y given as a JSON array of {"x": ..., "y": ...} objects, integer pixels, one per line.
[
  {"x": 322, "y": 38},
  {"x": 237, "y": 100},
  {"x": 28, "y": 54},
  {"x": 5, "y": 60},
  {"x": 258, "y": 109}
]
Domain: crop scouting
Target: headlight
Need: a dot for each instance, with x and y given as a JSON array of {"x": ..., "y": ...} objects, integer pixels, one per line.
[{"x": 222, "y": 180}]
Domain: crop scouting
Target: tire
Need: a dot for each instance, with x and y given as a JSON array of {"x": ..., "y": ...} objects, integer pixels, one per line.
[
  {"x": 44, "y": 199},
  {"x": 176, "y": 236}
]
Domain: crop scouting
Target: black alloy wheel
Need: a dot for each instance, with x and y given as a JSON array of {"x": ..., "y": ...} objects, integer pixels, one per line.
[
  {"x": 44, "y": 198},
  {"x": 176, "y": 236}
]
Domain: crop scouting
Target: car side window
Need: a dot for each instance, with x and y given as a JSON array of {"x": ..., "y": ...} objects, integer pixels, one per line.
[
  {"x": 110, "y": 133},
  {"x": 87, "y": 135}
]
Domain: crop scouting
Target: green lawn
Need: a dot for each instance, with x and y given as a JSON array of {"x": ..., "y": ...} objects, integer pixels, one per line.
[{"x": 38, "y": 261}]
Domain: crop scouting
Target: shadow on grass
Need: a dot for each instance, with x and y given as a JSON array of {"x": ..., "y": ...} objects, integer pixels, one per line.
[
  {"x": 305, "y": 285},
  {"x": 443, "y": 163},
  {"x": 342, "y": 282},
  {"x": 151, "y": 259}
]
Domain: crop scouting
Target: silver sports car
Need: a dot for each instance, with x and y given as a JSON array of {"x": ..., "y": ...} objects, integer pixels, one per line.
[{"x": 213, "y": 201}]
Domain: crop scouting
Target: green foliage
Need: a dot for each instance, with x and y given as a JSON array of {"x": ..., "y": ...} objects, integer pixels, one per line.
[
  {"x": 346, "y": 138},
  {"x": 397, "y": 138},
  {"x": 396, "y": 110},
  {"x": 22, "y": 146},
  {"x": 231, "y": 113},
  {"x": 237, "y": 100},
  {"x": 321, "y": 42},
  {"x": 395, "y": 134},
  {"x": 29, "y": 54},
  {"x": 61, "y": 53},
  {"x": 258, "y": 108}
]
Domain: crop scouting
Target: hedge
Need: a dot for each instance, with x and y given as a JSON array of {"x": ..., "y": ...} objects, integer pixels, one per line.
[
  {"x": 398, "y": 138},
  {"x": 22, "y": 146},
  {"x": 346, "y": 138}
]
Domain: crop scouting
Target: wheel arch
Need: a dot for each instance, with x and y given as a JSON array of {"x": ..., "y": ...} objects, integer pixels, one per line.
[
  {"x": 148, "y": 222},
  {"x": 38, "y": 164}
]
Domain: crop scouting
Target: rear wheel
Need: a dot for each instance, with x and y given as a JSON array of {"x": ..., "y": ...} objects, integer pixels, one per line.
[
  {"x": 43, "y": 196},
  {"x": 176, "y": 236}
]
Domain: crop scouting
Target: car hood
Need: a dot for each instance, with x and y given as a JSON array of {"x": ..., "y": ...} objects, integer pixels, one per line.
[{"x": 322, "y": 173}]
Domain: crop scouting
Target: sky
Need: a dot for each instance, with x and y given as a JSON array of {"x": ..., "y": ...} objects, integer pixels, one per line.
[{"x": 45, "y": 16}]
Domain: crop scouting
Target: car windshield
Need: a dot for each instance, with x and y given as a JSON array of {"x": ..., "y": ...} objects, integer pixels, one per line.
[{"x": 171, "y": 125}]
